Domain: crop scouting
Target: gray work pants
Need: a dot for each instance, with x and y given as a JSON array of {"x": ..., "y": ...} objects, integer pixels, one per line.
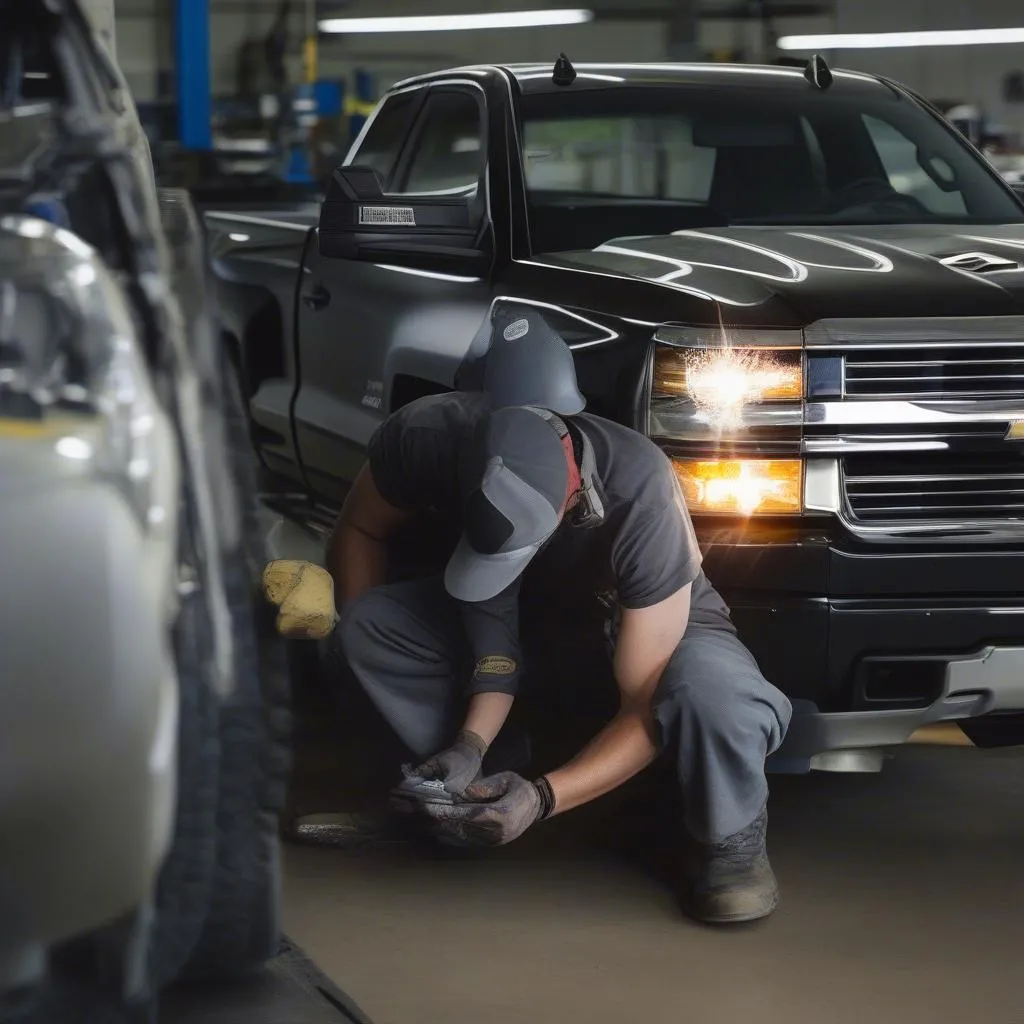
[{"x": 719, "y": 718}]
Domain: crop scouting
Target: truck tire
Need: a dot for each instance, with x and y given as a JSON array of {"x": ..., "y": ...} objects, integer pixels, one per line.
[
  {"x": 242, "y": 929},
  {"x": 995, "y": 731}
]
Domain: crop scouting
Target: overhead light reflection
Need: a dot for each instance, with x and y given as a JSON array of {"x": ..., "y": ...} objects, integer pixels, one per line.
[
  {"x": 580, "y": 74},
  {"x": 75, "y": 448},
  {"x": 432, "y": 274},
  {"x": 882, "y": 264}
]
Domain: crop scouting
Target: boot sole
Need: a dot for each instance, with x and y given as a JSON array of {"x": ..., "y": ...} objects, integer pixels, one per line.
[{"x": 737, "y": 917}]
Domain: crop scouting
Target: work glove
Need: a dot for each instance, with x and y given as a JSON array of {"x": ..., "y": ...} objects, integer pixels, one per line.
[
  {"x": 304, "y": 595},
  {"x": 492, "y": 811},
  {"x": 457, "y": 766}
]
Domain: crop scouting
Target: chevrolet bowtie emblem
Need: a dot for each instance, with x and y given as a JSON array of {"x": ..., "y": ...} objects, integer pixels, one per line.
[{"x": 1016, "y": 431}]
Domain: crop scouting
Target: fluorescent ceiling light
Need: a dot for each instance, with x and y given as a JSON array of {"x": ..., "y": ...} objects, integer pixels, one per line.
[
  {"x": 886, "y": 40},
  {"x": 457, "y": 22}
]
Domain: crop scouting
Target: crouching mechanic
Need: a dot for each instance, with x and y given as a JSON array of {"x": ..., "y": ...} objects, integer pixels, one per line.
[{"x": 581, "y": 507}]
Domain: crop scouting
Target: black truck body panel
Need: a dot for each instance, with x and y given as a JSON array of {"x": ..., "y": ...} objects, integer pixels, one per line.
[{"x": 840, "y": 610}]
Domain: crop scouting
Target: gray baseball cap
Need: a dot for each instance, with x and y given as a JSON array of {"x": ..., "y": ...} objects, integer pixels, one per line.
[
  {"x": 515, "y": 508},
  {"x": 528, "y": 363},
  {"x": 517, "y": 358}
]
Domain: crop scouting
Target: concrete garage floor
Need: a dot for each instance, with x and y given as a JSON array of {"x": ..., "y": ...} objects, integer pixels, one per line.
[{"x": 903, "y": 902}]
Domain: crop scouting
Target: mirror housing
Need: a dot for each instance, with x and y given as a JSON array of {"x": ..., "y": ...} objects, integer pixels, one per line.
[{"x": 432, "y": 231}]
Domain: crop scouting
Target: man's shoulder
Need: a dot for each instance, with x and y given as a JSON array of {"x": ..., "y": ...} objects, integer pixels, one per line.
[
  {"x": 623, "y": 447},
  {"x": 632, "y": 468},
  {"x": 453, "y": 410}
]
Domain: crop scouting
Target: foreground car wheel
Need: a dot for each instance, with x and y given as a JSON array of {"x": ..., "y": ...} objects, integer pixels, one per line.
[{"x": 242, "y": 927}]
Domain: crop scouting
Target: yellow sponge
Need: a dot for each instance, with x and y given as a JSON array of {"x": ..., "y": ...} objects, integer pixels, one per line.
[{"x": 304, "y": 595}]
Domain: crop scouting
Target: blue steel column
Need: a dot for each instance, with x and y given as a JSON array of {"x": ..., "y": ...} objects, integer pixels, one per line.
[{"x": 192, "y": 72}]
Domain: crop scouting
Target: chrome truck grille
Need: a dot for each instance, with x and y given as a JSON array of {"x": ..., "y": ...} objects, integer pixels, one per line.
[
  {"x": 940, "y": 372},
  {"x": 915, "y": 428},
  {"x": 907, "y": 489}
]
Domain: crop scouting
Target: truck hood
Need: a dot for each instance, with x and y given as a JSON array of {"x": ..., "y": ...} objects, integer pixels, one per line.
[{"x": 797, "y": 275}]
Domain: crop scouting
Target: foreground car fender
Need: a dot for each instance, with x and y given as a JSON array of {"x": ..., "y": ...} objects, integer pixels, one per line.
[{"x": 89, "y": 492}]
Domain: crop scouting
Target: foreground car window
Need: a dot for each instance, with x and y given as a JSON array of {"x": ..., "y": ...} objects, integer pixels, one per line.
[{"x": 606, "y": 163}]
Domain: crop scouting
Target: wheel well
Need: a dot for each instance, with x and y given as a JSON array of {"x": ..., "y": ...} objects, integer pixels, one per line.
[{"x": 406, "y": 389}]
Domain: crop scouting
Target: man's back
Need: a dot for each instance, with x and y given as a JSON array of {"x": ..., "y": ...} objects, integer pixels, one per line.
[{"x": 642, "y": 549}]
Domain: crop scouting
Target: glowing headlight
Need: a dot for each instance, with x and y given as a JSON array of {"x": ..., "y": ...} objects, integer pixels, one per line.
[
  {"x": 722, "y": 382},
  {"x": 706, "y": 384},
  {"x": 741, "y": 486}
]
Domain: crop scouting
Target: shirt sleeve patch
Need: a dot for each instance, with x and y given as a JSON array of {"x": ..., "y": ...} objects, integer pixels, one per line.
[{"x": 495, "y": 665}]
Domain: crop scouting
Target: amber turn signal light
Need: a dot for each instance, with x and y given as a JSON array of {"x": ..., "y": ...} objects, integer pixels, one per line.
[{"x": 743, "y": 486}]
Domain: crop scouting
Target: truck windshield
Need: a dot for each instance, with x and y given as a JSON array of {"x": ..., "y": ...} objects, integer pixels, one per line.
[{"x": 604, "y": 163}]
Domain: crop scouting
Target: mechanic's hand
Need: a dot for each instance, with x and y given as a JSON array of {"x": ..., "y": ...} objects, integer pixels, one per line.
[
  {"x": 491, "y": 812},
  {"x": 457, "y": 766}
]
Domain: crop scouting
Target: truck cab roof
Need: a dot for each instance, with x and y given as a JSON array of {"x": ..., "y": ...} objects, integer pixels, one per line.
[{"x": 535, "y": 79}]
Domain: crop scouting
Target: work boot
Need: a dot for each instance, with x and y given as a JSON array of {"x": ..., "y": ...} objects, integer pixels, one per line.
[{"x": 732, "y": 881}]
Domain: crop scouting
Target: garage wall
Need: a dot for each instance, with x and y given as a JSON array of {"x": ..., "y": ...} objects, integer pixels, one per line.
[
  {"x": 972, "y": 74},
  {"x": 145, "y": 40}
]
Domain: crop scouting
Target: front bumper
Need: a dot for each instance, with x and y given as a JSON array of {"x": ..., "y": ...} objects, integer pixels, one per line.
[
  {"x": 988, "y": 682},
  {"x": 871, "y": 644}
]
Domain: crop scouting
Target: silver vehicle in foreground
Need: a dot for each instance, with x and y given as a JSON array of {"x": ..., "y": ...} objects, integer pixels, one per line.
[{"x": 142, "y": 701}]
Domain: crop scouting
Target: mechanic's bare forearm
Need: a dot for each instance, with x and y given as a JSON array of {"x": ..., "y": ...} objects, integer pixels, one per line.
[
  {"x": 624, "y": 748},
  {"x": 356, "y": 562},
  {"x": 357, "y": 553},
  {"x": 487, "y": 714},
  {"x": 648, "y": 637}
]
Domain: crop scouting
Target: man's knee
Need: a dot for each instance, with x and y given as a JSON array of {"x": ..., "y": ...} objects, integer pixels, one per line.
[
  {"x": 719, "y": 686},
  {"x": 684, "y": 691},
  {"x": 358, "y": 630}
]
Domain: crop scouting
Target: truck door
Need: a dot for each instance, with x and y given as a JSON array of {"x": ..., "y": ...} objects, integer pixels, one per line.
[{"x": 372, "y": 335}]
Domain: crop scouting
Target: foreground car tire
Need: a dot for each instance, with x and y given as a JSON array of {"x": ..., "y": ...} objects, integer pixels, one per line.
[{"x": 242, "y": 927}]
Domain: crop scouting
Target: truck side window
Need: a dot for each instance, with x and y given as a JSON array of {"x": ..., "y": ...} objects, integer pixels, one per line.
[
  {"x": 448, "y": 152},
  {"x": 383, "y": 141},
  {"x": 899, "y": 158}
]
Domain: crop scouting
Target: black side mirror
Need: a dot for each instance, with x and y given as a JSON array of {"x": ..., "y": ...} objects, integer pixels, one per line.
[{"x": 442, "y": 232}]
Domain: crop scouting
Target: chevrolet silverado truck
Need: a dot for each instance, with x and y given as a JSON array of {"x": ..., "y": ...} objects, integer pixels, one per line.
[{"x": 803, "y": 284}]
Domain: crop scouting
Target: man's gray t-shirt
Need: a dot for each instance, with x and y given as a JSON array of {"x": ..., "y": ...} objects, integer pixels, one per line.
[{"x": 643, "y": 551}]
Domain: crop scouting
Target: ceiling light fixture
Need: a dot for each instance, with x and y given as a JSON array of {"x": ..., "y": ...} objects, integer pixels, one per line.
[
  {"x": 887, "y": 40},
  {"x": 457, "y": 22}
]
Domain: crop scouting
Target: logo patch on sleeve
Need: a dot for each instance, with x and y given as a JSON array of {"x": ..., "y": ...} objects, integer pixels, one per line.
[{"x": 495, "y": 665}]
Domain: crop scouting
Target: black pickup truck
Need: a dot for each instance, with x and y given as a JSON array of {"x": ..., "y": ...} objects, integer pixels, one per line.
[{"x": 803, "y": 284}]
